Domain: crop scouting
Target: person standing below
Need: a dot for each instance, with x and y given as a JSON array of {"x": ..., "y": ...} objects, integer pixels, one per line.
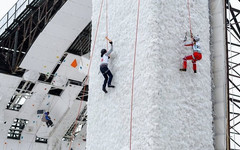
[
  {"x": 196, "y": 56},
  {"x": 104, "y": 68}
]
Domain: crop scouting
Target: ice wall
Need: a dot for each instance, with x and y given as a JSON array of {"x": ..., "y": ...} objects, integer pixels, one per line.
[{"x": 171, "y": 109}]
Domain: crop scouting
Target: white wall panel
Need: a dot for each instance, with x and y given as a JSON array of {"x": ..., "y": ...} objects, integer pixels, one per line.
[
  {"x": 22, "y": 145},
  {"x": 65, "y": 124},
  {"x": 79, "y": 72},
  {"x": 8, "y": 86},
  {"x": 31, "y": 75},
  {"x": 30, "y": 107},
  {"x": 58, "y": 106},
  {"x": 42, "y": 57},
  {"x": 53, "y": 41},
  {"x": 59, "y": 81}
]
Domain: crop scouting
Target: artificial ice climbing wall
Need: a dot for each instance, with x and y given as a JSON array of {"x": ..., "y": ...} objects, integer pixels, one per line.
[{"x": 170, "y": 109}]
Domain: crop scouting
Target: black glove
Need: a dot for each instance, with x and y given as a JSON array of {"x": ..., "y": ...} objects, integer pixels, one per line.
[
  {"x": 185, "y": 39},
  {"x": 111, "y": 42}
]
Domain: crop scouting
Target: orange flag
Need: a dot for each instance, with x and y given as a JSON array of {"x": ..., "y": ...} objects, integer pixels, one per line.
[{"x": 74, "y": 63}]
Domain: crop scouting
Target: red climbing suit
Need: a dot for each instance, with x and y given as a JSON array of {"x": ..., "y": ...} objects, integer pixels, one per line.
[{"x": 197, "y": 55}]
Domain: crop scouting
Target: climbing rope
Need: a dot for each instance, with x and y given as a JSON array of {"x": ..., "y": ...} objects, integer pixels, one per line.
[
  {"x": 107, "y": 21},
  {"x": 89, "y": 67},
  {"x": 134, "y": 61},
  {"x": 189, "y": 17}
]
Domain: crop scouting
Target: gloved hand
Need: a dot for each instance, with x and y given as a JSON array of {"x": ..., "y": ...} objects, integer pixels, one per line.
[
  {"x": 111, "y": 42},
  {"x": 185, "y": 39},
  {"x": 191, "y": 35}
]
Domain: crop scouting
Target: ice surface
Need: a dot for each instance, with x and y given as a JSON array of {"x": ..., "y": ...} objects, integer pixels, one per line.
[{"x": 172, "y": 109}]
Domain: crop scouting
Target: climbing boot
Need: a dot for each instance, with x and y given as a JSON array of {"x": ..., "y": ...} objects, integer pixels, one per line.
[
  {"x": 183, "y": 69},
  {"x": 111, "y": 86},
  {"x": 104, "y": 90}
]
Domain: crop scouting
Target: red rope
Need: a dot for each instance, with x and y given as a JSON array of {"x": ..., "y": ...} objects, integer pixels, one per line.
[
  {"x": 189, "y": 17},
  {"x": 89, "y": 67},
  {"x": 134, "y": 61}
]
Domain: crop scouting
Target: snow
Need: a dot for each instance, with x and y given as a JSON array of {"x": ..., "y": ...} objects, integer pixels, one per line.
[{"x": 171, "y": 109}]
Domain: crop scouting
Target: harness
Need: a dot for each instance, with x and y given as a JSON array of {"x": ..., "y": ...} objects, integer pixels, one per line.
[{"x": 104, "y": 66}]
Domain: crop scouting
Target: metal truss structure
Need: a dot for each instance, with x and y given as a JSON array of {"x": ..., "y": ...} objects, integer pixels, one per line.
[
  {"x": 233, "y": 52},
  {"x": 19, "y": 28},
  {"x": 82, "y": 43},
  {"x": 16, "y": 38}
]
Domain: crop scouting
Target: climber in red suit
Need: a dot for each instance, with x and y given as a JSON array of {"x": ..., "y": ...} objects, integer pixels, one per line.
[{"x": 197, "y": 55}]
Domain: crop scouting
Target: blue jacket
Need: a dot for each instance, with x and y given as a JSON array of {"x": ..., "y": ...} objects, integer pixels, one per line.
[{"x": 46, "y": 116}]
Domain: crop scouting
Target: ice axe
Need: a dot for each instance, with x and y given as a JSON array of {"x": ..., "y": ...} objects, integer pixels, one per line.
[{"x": 108, "y": 39}]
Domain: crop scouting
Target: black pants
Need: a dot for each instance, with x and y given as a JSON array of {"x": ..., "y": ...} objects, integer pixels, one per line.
[
  {"x": 106, "y": 73},
  {"x": 49, "y": 123}
]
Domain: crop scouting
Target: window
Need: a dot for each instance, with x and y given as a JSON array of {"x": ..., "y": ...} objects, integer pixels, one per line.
[
  {"x": 83, "y": 95},
  {"x": 83, "y": 116},
  {"x": 49, "y": 77},
  {"x": 74, "y": 82},
  {"x": 22, "y": 93},
  {"x": 41, "y": 140},
  {"x": 55, "y": 91},
  {"x": 69, "y": 134},
  {"x": 16, "y": 128},
  {"x": 81, "y": 121}
]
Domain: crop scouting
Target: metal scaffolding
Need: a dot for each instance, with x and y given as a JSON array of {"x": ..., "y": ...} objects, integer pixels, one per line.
[
  {"x": 19, "y": 28},
  {"x": 19, "y": 32},
  {"x": 233, "y": 52}
]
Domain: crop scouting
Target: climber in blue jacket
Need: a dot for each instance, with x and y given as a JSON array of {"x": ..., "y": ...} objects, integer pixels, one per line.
[{"x": 46, "y": 118}]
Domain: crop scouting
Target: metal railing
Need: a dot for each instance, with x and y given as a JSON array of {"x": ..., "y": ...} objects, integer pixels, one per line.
[{"x": 13, "y": 13}]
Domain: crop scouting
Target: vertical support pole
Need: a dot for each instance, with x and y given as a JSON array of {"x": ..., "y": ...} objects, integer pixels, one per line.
[
  {"x": 15, "y": 12},
  {"x": 7, "y": 18},
  {"x": 220, "y": 74},
  {"x": 227, "y": 84},
  {"x": 15, "y": 51}
]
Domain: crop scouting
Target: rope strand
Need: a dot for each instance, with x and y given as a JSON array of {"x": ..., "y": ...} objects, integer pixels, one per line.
[
  {"x": 89, "y": 67},
  {"x": 189, "y": 17},
  {"x": 134, "y": 60},
  {"x": 107, "y": 21}
]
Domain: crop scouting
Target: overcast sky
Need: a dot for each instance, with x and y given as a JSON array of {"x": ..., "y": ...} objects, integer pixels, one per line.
[{"x": 5, "y": 6}]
